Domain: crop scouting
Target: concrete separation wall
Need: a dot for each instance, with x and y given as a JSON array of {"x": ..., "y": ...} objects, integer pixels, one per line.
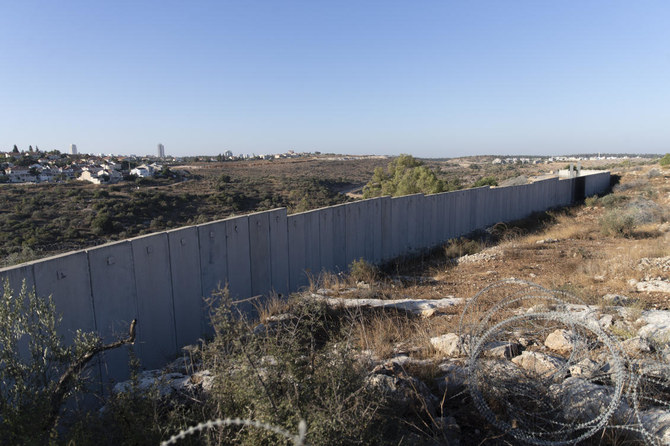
[{"x": 162, "y": 279}]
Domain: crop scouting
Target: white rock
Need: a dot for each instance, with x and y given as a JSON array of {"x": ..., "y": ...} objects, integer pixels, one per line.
[
  {"x": 586, "y": 368},
  {"x": 561, "y": 341},
  {"x": 541, "y": 363},
  {"x": 448, "y": 344},
  {"x": 606, "y": 321},
  {"x": 656, "y": 325},
  {"x": 425, "y": 307},
  {"x": 659, "y": 286}
]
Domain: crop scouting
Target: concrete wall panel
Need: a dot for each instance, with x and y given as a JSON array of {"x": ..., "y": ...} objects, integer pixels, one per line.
[
  {"x": 239, "y": 261},
  {"x": 187, "y": 297},
  {"x": 326, "y": 239},
  {"x": 441, "y": 221},
  {"x": 312, "y": 248},
  {"x": 450, "y": 212},
  {"x": 524, "y": 200},
  {"x": 66, "y": 278},
  {"x": 367, "y": 221},
  {"x": 213, "y": 257},
  {"x": 296, "y": 251},
  {"x": 386, "y": 228},
  {"x": 375, "y": 215},
  {"x": 115, "y": 302},
  {"x": 279, "y": 252},
  {"x": 156, "y": 340},
  {"x": 340, "y": 237},
  {"x": 399, "y": 225},
  {"x": 414, "y": 220},
  {"x": 465, "y": 212},
  {"x": 260, "y": 253},
  {"x": 428, "y": 221},
  {"x": 482, "y": 210},
  {"x": 355, "y": 232}
]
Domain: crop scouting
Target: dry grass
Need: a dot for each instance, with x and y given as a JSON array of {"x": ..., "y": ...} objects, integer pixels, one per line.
[{"x": 388, "y": 333}]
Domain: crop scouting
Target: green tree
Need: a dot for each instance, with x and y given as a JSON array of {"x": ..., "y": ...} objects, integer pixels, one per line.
[
  {"x": 405, "y": 175},
  {"x": 486, "y": 181},
  {"x": 15, "y": 149},
  {"x": 665, "y": 161}
]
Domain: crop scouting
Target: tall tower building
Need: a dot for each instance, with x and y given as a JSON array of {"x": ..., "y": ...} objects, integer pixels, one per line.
[
  {"x": 73, "y": 149},
  {"x": 161, "y": 150}
]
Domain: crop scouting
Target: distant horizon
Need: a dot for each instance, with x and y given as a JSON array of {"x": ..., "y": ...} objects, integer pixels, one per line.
[
  {"x": 434, "y": 78},
  {"x": 497, "y": 155}
]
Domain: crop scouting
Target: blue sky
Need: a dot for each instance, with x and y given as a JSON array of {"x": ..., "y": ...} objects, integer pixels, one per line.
[{"x": 435, "y": 79}]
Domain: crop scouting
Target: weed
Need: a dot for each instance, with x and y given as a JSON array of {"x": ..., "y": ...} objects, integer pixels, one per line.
[
  {"x": 460, "y": 247},
  {"x": 614, "y": 223},
  {"x": 362, "y": 271},
  {"x": 591, "y": 201}
]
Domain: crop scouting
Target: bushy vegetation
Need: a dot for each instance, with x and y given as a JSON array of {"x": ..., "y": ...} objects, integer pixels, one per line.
[
  {"x": 361, "y": 270},
  {"x": 486, "y": 181},
  {"x": 404, "y": 175},
  {"x": 33, "y": 362},
  {"x": 300, "y": 367},
  {"x": 617, "y": 223},
  {"x": 462, "y": 246},
  {"x": 665, "y": 161},
  {"x": 61, "y": 217}
]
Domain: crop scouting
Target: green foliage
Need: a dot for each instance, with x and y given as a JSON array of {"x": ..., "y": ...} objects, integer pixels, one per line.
[
  {"x": 361, "y": 270},
  {"x": 294, "y": 370},
  {"x": 591, "y": 201},
  {"x": 617, "y": 223},
  {"x": 32, "y": 358},
  {"x": 665, "y": 161},
  {"x": 102, "y": 224},
  {"x": 405, "y": 175},
  {"x": 486, "y": 181},
  {"x": 610, "y": 201},
  {"x": 311, "y": 193}
]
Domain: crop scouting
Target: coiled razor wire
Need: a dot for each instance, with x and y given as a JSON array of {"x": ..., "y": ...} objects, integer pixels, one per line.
[
  {"x": 298, "y": 440},
  {"x": 546, "y": 403}
]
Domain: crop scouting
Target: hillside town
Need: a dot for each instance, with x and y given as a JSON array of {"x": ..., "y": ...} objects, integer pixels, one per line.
[{"x": 36, "y": 166}]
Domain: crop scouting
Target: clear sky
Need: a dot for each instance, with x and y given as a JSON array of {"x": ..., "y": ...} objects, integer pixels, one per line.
[{"x": 431, "y": 78}]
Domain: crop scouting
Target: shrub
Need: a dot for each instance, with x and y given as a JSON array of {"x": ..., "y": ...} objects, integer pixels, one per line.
[
  {"x": 362, "y": 271},
  {"x": 102, "y": 224},
  {"x": 617, "y": 223},
  {"x": 405, "y": 175},
  {"x": 296, "y": 369},
  {"x": 591, "y": 201},
  {"x": 486, "y": 181},
  {"x": 665, "y": 161},
  {"x": 32, "y": 359},
  {"x": 611, "y": 200},
  {"x": 653, "y": 173}
]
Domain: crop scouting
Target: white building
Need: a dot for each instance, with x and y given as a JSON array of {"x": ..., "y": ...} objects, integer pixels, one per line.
[{"x": 73, "y": 149}]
